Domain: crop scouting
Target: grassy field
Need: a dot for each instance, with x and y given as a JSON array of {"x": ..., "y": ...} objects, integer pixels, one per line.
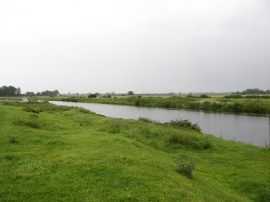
[
  {"x": 53, "y": 153},
  {"x": 257, "y": 105}
]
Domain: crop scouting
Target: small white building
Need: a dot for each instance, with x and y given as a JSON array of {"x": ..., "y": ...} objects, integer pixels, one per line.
[{"x": 25, "y": 99}]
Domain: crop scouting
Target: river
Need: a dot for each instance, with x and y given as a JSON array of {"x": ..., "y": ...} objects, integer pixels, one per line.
[{"x": 249, "y": 129}]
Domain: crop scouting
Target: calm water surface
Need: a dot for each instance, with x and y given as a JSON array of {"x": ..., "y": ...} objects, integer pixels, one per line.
[{"x": 248, "y": 129}]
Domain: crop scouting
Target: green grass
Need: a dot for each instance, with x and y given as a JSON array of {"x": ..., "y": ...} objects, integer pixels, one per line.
[{"x": 76, "y": 155}]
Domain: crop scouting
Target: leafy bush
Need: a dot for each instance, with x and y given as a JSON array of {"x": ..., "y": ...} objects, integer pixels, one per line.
[
  {"x": 184, "y": 123},
  {"x": 185, "y": 164}
]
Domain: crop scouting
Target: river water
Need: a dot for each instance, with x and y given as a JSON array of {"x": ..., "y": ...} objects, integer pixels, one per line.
[{"x": 248, "y": 129}]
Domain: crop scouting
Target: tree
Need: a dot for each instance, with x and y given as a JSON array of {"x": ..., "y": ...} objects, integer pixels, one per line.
[
  {"x": 131, "y": 93},
  {"x": 8, "y": 91},
  {"x": 92, "y": 96},
  {"x": 30, "y": 94},
  {"x": 18, "y": 92}
]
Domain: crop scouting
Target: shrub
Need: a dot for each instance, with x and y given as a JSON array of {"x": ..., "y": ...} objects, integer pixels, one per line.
[
  {"x": 184, "y": 123},
  {"x": 204, "y": 96},
  {"x": 185, "y": 164},
  {"x": 146, "y": 120},
  {"x": 92, "y": 96}
]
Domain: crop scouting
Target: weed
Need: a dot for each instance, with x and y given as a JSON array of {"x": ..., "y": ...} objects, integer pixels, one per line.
[
  {"x": 115, "y": 126},
  {"x": 33, "y": 110},
  {"x": 185, "y": 163},
  {"x": 189, "y": 140},
  {"x": 13, "y": 140},
  {"x": 144, "y": 130},
  {"x": 33, "y": 121}
]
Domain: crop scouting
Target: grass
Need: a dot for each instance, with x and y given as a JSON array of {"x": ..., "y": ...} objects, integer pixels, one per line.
[{"x": 76, "y": 155}]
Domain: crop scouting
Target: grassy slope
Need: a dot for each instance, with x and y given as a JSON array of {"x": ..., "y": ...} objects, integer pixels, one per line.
[{"x": 73, "y": 155}]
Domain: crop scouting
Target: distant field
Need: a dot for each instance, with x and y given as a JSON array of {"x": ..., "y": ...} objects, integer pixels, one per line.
[
  {"x": 252, "y": 104},
  {"x": 53, "y": 153}
]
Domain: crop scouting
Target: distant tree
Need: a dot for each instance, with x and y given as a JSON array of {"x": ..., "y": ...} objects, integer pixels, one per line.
[
  {"x": 92, "y": 96},
  {"x": 30, "y": 94},
  {"x": 204, "y": 96},
  {"x": 8, "y": 91},
  {"x": 131, "y": 93},
  {"x": 18, "y": 92},
  {"x": 254, "y": 91},
  {"x": 50, "y": 93}
]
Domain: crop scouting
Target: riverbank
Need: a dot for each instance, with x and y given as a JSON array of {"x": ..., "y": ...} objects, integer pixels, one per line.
[
  {"x": 249, "y": 105},
  {"x": 247, "y": 129},
  {"x": 53, "y": 153}
]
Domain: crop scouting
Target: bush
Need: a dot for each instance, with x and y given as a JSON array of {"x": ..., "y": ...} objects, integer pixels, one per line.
[
  {"x": 92, "y": 96},
  {"x": 204, "y": 96},
  {"x": 146, "y": 120},
  {"x": 185, "y": 164},
  {"x": 184, "y": 123}
]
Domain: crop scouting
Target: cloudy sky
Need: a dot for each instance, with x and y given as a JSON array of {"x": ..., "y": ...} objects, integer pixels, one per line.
[{"x": 148, "y": 46}]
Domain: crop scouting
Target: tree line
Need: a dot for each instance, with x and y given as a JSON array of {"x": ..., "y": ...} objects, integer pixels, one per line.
[
  {"x": 8, "y": 91},
  {"x": 253, "y": 91},
  {"x": 44, "y": 93}
]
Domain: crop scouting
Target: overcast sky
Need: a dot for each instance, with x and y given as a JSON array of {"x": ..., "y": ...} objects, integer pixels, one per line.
[{"x": 147, "y": 46}]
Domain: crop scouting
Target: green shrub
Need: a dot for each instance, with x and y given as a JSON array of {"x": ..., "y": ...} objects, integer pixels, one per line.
[
  {"x": 184, "y": 123},
  {"x": 146, "y": 120},
  {"x": 204, "y": 96},
  {"x": 92, "y": 96},
  {"x": 185, "y": 164}
]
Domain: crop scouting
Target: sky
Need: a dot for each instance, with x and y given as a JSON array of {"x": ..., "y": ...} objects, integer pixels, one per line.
[{"x": 145, "y": 46}]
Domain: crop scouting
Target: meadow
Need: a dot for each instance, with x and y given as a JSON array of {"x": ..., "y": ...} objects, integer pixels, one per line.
[{"x": 56, "y": 153}]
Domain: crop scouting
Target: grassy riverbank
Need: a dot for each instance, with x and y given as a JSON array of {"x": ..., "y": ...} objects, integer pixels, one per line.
[
  {"x": 250, "y": 104},
  {"x": 53, "y": 153}
]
